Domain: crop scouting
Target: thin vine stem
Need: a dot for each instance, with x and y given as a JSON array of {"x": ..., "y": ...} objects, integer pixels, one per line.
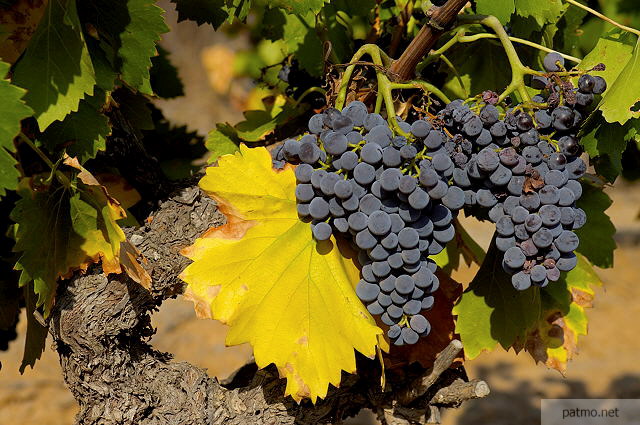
[
  {"x": 37, "y": 150},
  {"x": 307, "y": 92},
  {"x": 385, "y": 91},
  {"x": 518, "y": 70},
  {"x": 471, "y": 38},
  {"x": 603, "y": 17},
  {"x": 367, "y": 49},
  {"x": 426, "y": 87},
  {"x": 436, "y": 54},
  {"x": 378, "y": 106},
  {"x": 385, "y": 86},
  {"x": 59, "y": 175}
]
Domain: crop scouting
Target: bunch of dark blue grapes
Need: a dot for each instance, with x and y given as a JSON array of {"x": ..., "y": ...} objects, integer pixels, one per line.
[
  {"x": 520, "y": 167},
  {"x": 390, "y": 196}
]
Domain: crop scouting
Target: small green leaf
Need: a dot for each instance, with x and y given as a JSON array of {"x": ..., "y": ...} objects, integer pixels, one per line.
[
  {"x": 83, "y": 133},
  {"x": 256, "y": 126},
  {"x": 12, "y": 111},
  {"x": 212, "y": 12},
  {"x": 135, "y": 108},
  {"x": 463, "y": 245},
  {"x": 621, "y": 101},
  {"x": 614, "y": 49},
  {"x": 568, "y": 37},
  {"x": 297, "y": 35},
  {"x": 301, "y": 38},
  {"x": 605, "y": 142},
  {"x": 501, "y": 9},
  {"x": 138, "y": 42},
  {"x": 596, "y": 237},
  {"x": 544, "y": 12},
  {"x": 221, "y": 141},
  {"x": 449, "y": 258},
  {"x": 9, "y": 174},
  {"x": 339, "y": 35},
  {"x": 56, "y": 68},
  {"x": 129, "y": 32},
  {"x": 355, "y": 7},
  {"x": 492, "y": 312},
  {"x": 106, "y": 74},
  {"x": 260, "y": 123},
  {"x": 554, "y": 340}
]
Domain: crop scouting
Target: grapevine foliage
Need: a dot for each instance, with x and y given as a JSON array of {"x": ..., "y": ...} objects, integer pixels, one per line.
[
  {"x": 312, "y": 314},
  {"x": 76, "y": 81}
]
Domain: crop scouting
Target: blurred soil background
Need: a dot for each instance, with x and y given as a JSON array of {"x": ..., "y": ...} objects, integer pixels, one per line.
[{"x": 607, "y": 365}]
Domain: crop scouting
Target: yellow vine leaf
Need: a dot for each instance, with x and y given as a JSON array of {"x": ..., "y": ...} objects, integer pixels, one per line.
[{"x": 265, "y": 276}]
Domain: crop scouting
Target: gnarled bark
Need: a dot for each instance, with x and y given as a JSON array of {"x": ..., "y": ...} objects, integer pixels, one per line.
[{"x": 101, "y": 327}]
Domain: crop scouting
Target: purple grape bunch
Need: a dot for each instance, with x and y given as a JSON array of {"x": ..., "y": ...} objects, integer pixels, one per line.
[
  {"x": 394, "y": 197},
  {"x": 520, "y": 167},
  {"x": 390, "y": 196}
]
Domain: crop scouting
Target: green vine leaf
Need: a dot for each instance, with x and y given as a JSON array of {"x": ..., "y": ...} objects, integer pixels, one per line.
[
  {"x": 619, "y": 51},
  {"x": 501, "y": 9},
  {"x": 212, "y": 12},
  {"x": 338, "y": 34},
  {"x": 222, "y": 141},
  {"x": 614, "y": 48},
  {"x": 544, "y": 12},
  {"x": 106, "y": 74},
  {"x": 463, "y": 245},
  {"x": 568, "y": 37},
  {"x": 297, "y": 32},
  {"x": 596, "y": 237},
  {"x": 605, "y": 142},
  {"x": 128, "y": 32},
  {"x": 61, "y": 230},
  {"x": 12, "y": 111},
  {"x": 83, "y": 133},
  {"x": 138, "y": 42},
  {"x": 492, "y": 312},
  {"x": 554, "y": 340},
  {"x": 56, "y": 68},
  {"x": 260, "y": 123},
  {"x": 356, "y": 7},
  {"x": 621, "y": 101}
]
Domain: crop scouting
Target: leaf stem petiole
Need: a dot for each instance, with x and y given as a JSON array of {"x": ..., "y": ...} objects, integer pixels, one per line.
[{"x": 62, "y": 178}]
